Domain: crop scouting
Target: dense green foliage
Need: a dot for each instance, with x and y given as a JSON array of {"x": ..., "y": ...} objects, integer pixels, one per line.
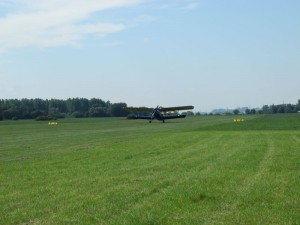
[
  {"x": 273, "y": 109},
  {"x": 55, "y": 108},
  {"x": 198, "y": 170},
  {"x": 1, "y": 114},
  {"x": 81, "y": 108}
]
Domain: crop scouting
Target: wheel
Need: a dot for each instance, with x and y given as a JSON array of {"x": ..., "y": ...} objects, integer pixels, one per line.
[{"x": 150, "y": 121}]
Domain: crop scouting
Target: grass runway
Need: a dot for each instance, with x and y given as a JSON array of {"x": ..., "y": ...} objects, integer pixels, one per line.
[{"x": 198, "y": 170}]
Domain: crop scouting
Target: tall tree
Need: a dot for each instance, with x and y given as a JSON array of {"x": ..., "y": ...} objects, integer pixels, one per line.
[
  {"x": 98, "y": 112},
  {"x": 247, "y": 111},
  {"x": 266, "y": 109},
  {"x": 117, "y": 109},
  {"x": 253, "y": 111},
  {"x": 1, "y": 116},
  {"x": 298, "y": 106},
  {"x": 236, "y": 112}
]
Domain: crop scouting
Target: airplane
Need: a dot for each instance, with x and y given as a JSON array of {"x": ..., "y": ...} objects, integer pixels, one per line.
[{"x": 157, "y": 113}]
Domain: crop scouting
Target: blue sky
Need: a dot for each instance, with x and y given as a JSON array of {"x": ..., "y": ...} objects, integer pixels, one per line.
[{"x": 206, "y": 53}]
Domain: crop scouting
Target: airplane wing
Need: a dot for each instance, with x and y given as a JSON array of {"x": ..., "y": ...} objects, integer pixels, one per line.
[
  {"x": 138, "y": 109},
  {"x": 174, "y": 117},
  {"x": 172, "y": 109},
  {"x": 134, "y": 117}
]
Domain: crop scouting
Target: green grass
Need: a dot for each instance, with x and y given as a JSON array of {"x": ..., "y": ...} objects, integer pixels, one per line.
[{"x": 201, "y": 170}]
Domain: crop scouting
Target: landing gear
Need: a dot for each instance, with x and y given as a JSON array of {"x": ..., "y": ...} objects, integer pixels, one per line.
[
  {"x": 163, "y": 121},
  {"x": 150, "y": 121}
]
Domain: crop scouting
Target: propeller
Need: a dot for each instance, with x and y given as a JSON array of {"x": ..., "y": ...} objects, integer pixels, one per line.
[{"x": 153, "y": 112}]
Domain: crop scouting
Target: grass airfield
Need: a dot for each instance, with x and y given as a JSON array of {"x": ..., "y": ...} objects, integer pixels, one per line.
[{"x": 198, "y": 170}]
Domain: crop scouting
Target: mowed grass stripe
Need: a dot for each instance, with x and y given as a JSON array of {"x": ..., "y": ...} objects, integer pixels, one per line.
[
  {"x": 262, "y": 164},
  {"x": 37, "y": 139},
  {"x": 194, "y": 189},
  {"x": 132, "y": 172},
  {"x": 119, "y": 177},
  {"x": 262, "y": 195},
  {"x": 172, "y": 190},
  {"x": 247, "y": 183}
]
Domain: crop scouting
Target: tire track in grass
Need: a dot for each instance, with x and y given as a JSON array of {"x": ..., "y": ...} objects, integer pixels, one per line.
[
  {"x": 297, "y": 139},
  {"x": 262, "y": 169},
  {"x": 167, "y": 187},
  {"x": 246, "y": 187}
]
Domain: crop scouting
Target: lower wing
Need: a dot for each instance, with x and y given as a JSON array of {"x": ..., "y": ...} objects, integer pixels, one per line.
[
  {"x": 174, "y": 117},
  {"x": 139, "y": 117},
  {"x": 134, "y": 117}
]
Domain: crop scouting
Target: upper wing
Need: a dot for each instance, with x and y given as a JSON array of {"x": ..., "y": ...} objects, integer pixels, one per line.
[
  {"x": 138, "y": 109},
  {"x": 170, "y": 109}
]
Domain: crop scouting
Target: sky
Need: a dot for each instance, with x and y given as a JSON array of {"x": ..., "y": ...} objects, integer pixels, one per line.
[{"x": 207, "y": 53}]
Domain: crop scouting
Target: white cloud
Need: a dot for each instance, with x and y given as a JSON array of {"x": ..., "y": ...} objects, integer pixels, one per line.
[
  {"x": 114, "y": 44},
  {"x": 143, "y": 19},
  {"x": 190, "y": 5},
  {"x": 178, "y": 4},
  {"x": 55, "y": 22}
]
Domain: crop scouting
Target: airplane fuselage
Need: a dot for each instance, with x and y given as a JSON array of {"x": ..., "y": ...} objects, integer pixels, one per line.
[{"x": 158, "y": 113}]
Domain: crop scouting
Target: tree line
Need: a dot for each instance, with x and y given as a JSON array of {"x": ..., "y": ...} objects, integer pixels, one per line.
[
  {"x": 282, "y": 108},
  {"x": 274, "y": 109},
  {"x": 40, "y": 109},
  {"x": 271, "y": 109}
]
